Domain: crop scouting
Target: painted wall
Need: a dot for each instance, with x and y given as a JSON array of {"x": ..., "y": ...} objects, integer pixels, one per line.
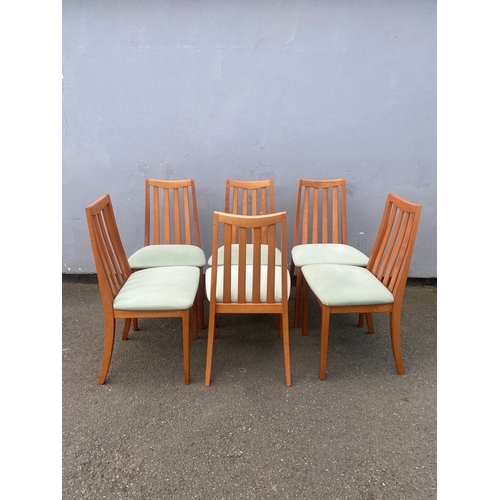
[{"x": 252, "y": 89}]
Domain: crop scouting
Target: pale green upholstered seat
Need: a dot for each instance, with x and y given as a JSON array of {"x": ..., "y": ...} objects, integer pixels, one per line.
[
  {"x": 328, "y": 253},
  {"x": 249, "y": 257},
  {"x": 248, "y": 289},
  {"x": 167, "y": 255},
  {"x": 340, "y": 285},
  {"x": 159, "y": 289}
]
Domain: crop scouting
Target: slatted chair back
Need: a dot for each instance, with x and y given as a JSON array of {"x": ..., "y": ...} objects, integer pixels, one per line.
[
  {"x": 171, "y": 213},
  {"x": 391, "y": 255},
  {"x": 112, "y": 265},
  {"x": 263, "y": 278},
  {"x": 320, "y": 215},
  {"x": 249, "y": 198}
]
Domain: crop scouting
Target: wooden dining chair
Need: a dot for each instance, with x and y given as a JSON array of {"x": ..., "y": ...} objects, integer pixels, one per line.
[
  {"x": 248, "y": 198},
  {"x": 172, "y": 232},
  {"x": 320, "y": 235},
  {"x": 377, "y": 288},
  {"x": 158, "y": 292},
  {"x": 249, "y": 286}
]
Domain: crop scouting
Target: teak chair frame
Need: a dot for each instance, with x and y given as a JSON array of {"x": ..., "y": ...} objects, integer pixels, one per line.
[
  {"x": 390, "y": 263},
  {"x": 320, "y": 217},
  {"x": 171, "y": 217},
  {"x": 113, "y": 270},
  {"x": 241, "y": 225}
]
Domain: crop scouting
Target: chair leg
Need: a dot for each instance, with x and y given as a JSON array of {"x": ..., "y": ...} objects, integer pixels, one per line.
[
  {"x": 361, "y": 320},
  {"x": 109, "y": 340},
  {"x": 396, "y": 339},
  {"x": 323, "y": 350},
  {"x": 126, "y": 328},
  {"x": 298, "y": 294},
  {"x": 305, "y": 306},
  {"x": 286, "y": 348},
  {"x": 210, "y": 344},
  {"x": 186, "y": 345},
  {"x": 369, "y": 322},
  {"x": 201, "y": 299},
  {"x": 195, "y": 317}
]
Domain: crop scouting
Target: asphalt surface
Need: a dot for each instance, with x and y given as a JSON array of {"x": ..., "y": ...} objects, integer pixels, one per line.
[{"x": 363, "y": 433}]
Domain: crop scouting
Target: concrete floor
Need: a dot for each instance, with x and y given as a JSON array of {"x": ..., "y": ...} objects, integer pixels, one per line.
[{"x": 363, "y": 433}]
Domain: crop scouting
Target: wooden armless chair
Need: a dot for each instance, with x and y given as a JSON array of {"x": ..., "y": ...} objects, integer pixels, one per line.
[
  {"x": 379, "y": 287},
  {"x": 160, "y": 292},
  {"x": 320, "y": 235},
  {"x": 172, "y": 232},
  {"x": 249, "y": 286}
]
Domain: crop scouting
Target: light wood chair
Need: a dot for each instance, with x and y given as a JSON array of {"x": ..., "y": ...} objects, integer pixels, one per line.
[
  {"x": 172, "y": 232},
  {"x": 248, "y": 198},
  {"x": 159, "y": 292},
  {"x": 377, "y": 288},
  {"x": 249, "y": 286},
  {"x": 320, "y": 235}
]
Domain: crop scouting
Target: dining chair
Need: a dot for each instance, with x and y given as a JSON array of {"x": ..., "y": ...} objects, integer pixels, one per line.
[
  {"x": 320, "y": 235},
  {"x": 249, "y": 286},
  {"x": 158, "y": 292},
  {"x": 377, "y": 288},
  {"x": 172, "y": 232},
  {"x": 248, "y": 198}
]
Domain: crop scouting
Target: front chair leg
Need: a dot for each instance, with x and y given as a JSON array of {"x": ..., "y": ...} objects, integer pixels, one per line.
[
  {"x": 186, "y": 345},
  {"x": 210, "y": 345},
  {"x": 297, "y": 301},
  {"x": 323, "y": 350},
  {"x": 109, "y": 340},
  {"x": 396, "y": 340},
  {"x": 305, "y": 306},
  {"x": 286, "y": 347}
]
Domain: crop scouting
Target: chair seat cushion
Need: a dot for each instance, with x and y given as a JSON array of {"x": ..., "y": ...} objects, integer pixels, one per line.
[
  {"x": 159, "y": 289},
  {"x": 328, "y": 253},
  {"x": 234, "y": 255},
  {"x": 248, "y": 291},
  {"x": 167, "y": 255},
  {"x": 339, "y": 285}
]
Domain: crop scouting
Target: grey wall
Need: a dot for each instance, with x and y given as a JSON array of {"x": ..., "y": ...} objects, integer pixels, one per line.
[{"x": 251, "y": 89}]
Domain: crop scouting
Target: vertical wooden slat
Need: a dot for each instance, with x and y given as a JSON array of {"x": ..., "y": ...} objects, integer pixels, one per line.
[
  {"x": 187, "y": 216},
  {"x": 257, "y": 262},
  {"x": 244, "y": 207},
  {"x": 166, "y": 216},
  {"x": 235, "y": 192},
  {"x": 335, "y": 214},
  {"x": 324, "y": 217},
  {"x": 255, "y": 199},
  {"x": 305, "y": 217},
  {"x": 242, "y": 267},
  {"x": 315, "y": 217},
  {"x": 156, "y": 216},
  {"x": 226, "y": 294},
  {"x": 177, "y": 217},
  {"x": 271, "y": 264}
]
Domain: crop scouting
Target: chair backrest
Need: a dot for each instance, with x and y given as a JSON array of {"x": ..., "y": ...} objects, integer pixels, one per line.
[
  {"x": 111, "y": 262},
  {"x": 393, "y": 248},
  {"x": 250, "y": 227},
  {"x": 249, "y": 198},
  {"x": 171, "y": 213},
  {"x": 320, "y": 213}
]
